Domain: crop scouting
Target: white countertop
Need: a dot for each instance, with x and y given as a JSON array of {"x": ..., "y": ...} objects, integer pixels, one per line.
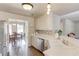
[{"x": 63, "y": 51}]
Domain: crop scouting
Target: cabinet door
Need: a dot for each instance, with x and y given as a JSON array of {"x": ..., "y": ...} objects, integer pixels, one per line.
[{"x": 44, "y": 23}]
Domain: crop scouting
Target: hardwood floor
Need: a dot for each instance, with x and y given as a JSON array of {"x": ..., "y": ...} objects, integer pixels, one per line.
[
  {"x": 20, "y": 49},
  {"x": 34, "y": 52}
]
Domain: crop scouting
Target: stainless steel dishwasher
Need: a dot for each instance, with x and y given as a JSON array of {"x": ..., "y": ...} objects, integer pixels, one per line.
[{"x": 40, "y": 44}]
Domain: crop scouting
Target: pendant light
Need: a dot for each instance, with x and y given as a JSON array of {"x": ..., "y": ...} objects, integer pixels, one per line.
[{"x": 48, "y": 8}]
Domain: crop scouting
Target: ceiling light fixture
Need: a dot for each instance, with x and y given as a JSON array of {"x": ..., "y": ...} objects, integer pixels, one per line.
[
  {"x": 48, "y": 8},
  {"x": 27, "y": 6}
]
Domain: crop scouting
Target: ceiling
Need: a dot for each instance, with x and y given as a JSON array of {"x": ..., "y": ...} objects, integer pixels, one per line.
[
  {"x": 74, "y": 16},
  {"x": 40, "y": 8}
]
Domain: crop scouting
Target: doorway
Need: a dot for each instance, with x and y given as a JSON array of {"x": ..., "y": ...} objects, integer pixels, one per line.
[{"x": 17, "y": 38}]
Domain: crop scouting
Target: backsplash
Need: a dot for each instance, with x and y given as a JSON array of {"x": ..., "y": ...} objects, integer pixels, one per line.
[{"x": 49, "y": 32}]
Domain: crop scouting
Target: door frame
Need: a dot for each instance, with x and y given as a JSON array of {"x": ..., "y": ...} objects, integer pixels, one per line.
[{"x": 25, "y": 29}]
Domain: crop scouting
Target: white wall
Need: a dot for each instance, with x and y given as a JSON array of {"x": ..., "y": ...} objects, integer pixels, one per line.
[
  {"x": 56, "y": 22},
  {"x": 6, "y": 16},
  {"x": 68, "y": 26},
  {"x": 76, "y": 27}
]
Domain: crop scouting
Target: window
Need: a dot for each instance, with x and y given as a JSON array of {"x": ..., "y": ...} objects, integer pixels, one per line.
[
  {"x": 20, "y": 28},
  {"x": 10, "y": 29}
]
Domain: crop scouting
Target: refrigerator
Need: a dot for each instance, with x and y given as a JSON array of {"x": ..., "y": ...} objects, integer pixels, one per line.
[{"x": 3, "y": 39}]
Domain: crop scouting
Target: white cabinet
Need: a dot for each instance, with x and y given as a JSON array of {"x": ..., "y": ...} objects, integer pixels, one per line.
[
  {"x": 44, "y": 23},
  {"x": 48, "y": 22}
]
